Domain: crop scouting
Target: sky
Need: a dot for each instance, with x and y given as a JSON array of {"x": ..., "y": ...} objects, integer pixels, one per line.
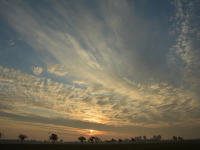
[{"x": 106, "y": 68}]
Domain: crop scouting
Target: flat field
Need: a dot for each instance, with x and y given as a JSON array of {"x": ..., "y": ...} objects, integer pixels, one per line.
[{"x": 184, "y": 145}]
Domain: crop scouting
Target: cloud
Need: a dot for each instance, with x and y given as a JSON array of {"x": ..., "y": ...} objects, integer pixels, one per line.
[
  {"x": 76, "y": 126},
  {"x": 187, "y": 42},
  {"x": 80, "y": 82},
  {"x": 59, "y": 70},
  {"x": 37, "y": 70}
]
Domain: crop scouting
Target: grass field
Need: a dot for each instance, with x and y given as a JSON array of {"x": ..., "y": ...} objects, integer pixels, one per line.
[{"x": 184, "y": 145}]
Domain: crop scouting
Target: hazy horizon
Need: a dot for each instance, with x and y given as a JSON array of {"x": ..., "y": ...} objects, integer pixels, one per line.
[{"x": 109, "y": 68}]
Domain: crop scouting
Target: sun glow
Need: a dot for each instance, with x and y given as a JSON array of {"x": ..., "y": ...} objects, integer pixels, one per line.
[{"x": 91, "y": 131}]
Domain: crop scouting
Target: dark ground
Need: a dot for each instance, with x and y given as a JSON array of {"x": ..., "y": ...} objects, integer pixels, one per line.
[{"x": 183, "y": 145}]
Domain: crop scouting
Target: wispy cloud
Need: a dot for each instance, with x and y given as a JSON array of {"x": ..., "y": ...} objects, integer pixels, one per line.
[{"x": 56, "y": 69}]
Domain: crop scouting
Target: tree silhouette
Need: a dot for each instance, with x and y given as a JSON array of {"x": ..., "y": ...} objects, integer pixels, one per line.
[
  {"x": 133, "y": 140},
  {"x": 159, "y": 137},
  {"x": 22, "y": 137},
  {"x": 120, "y": 140},
  {"x": 155, "y": 137},
  {"x": 91, "y": 139},
  {"x": 97, "y": 139},
  {"x": 61, "y": 141},
  {"x": 82, "y": 138},
  {"x": 180, "y": 138},
  {"x": 174, "y": 138},
  {"x": 113, "y": 140},
  {"x": 53, "y": 138}
]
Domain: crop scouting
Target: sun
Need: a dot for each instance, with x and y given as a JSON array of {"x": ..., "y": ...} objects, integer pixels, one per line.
[{"x": 91, "y": 131}]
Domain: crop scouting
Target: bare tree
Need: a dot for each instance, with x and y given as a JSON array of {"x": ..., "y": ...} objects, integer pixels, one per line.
[
  {"x": 82, "y": 138},
  {"x": 22, "y": 137},
  {"x": 53, "y": 138}
]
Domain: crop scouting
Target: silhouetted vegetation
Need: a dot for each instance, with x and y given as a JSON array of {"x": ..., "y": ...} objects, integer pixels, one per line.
[
  {"x": 180, "y": 138},
  {"x": 120, "y": 140},
  {"x": 158, "y": 137},
  {"x": 174, "y": 138},
  {"x": 97, "y": 139},
  {"x": 133, "y": 140},
  {"x": 53, "y": 138},
  {"x": 113, "y": 140},
  {"x": 82, "y": 138},
  {"x": 22, "y": 137},
  {"x": 91, "y": 139}
]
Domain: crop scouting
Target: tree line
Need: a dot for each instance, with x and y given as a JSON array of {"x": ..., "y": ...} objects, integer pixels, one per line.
[{"x": 54, "y": 137}]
